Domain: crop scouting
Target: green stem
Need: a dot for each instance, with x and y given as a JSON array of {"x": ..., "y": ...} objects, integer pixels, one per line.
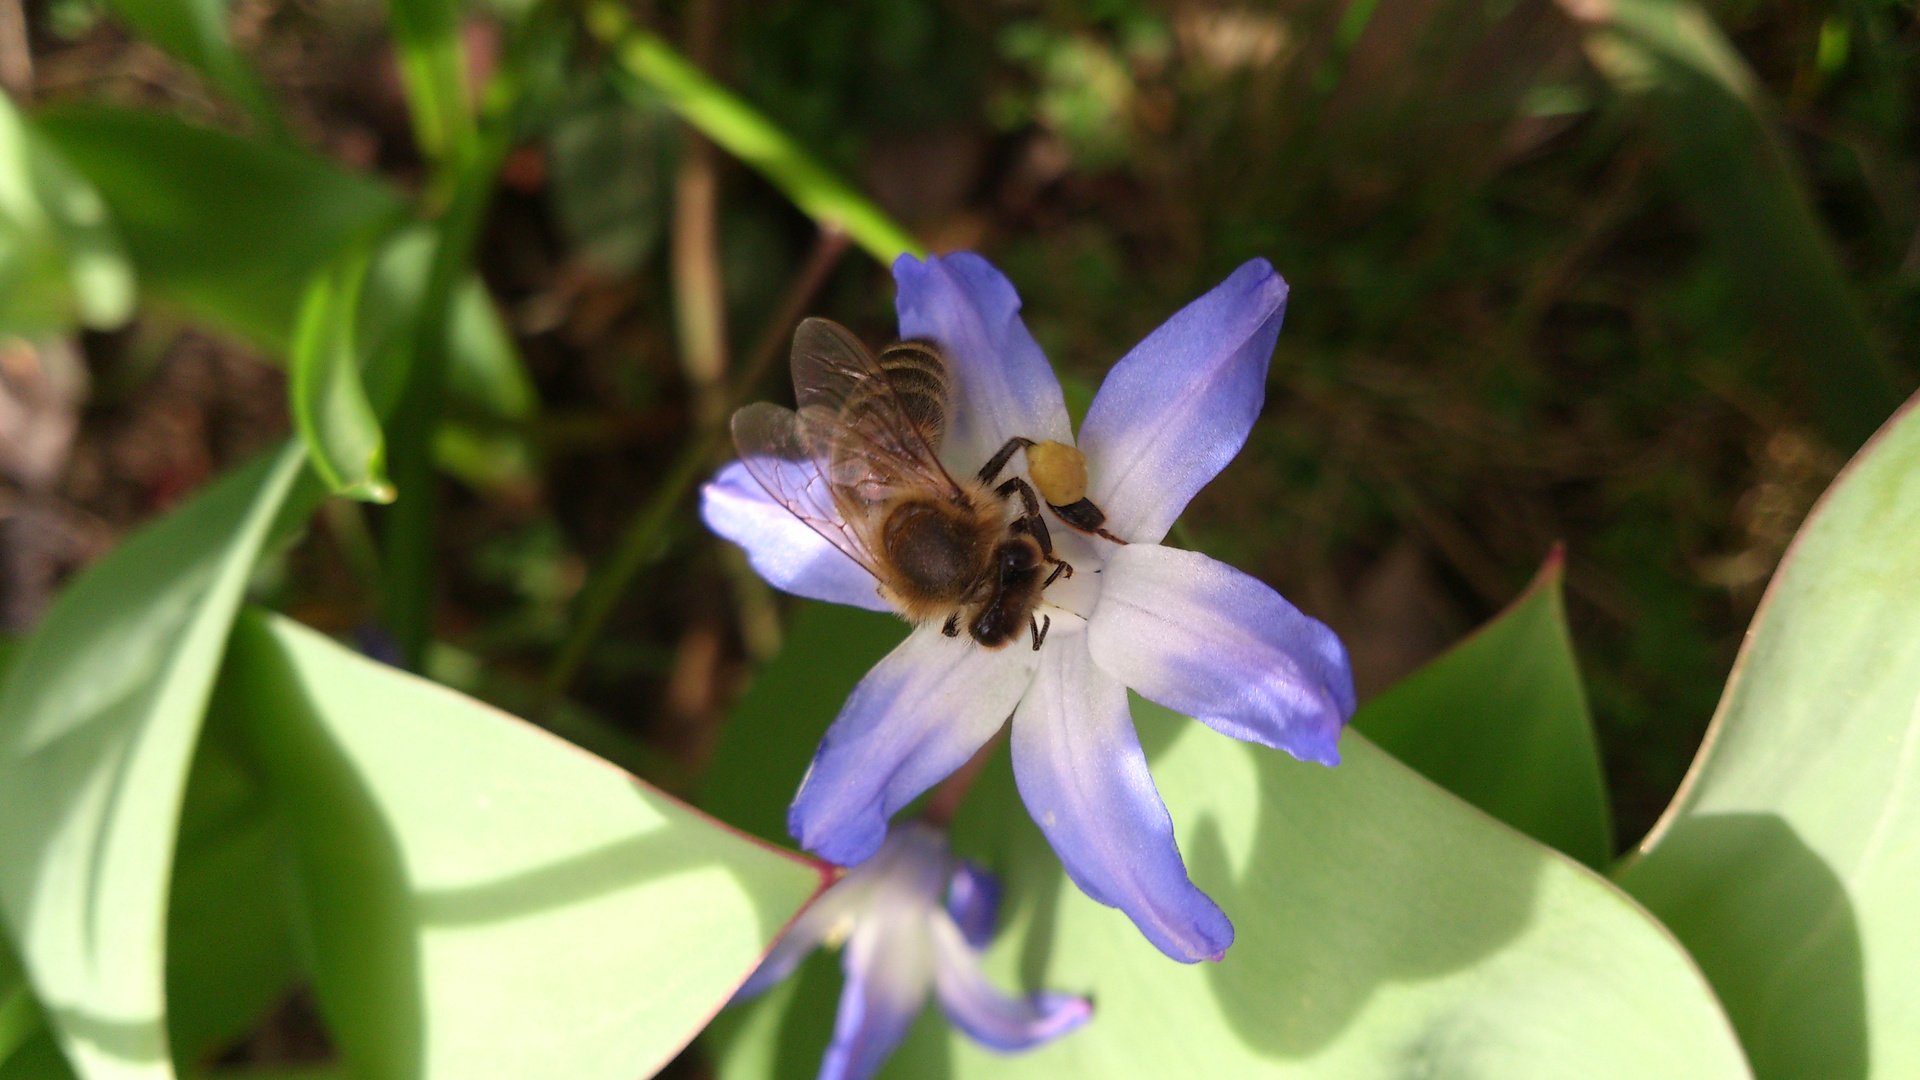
[
  {"x": 410, "y": 526},
  {"x": 433, "y": 65},
  {"x": 738, "y": 128},
  {"x": 468, "y": 180}
]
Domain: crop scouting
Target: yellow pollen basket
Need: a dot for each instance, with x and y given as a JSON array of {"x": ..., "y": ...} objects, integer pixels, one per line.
[{"x": 1059, "y": 472}]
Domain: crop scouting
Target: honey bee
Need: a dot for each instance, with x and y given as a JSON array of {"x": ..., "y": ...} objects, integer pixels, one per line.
[{"x": 858, "y": 462}]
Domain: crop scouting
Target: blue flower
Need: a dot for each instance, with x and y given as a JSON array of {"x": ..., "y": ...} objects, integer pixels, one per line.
[
  {"x": 1181, "y": 629},
  {"x": 899, "y": 941}
]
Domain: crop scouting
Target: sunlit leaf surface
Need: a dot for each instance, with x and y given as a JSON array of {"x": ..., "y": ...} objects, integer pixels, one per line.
[
  {"x": 1790, "y": 863},
  {"x": 61, "y": 261},
  {"x": 483, "y": 899},
  {"x": 97, "y": 727},
  {"x": 1501, "y": 721}
]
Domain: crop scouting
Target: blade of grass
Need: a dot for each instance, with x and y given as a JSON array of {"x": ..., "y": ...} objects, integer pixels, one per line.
[
  {"x": 699, "y": 293},
  {"x": 407, "y": 595},
  {"x": 739, "y": 129},
  {"x": 433, "y": 65}
]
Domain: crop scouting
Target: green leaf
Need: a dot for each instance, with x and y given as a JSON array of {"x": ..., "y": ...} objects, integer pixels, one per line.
[
  {"x": 19, "y": 1016},
  {"x": 483, "y": 899},
  {"x": 485, "y": 372},
  {"x": 433, "y": 64},
  {"x": 60, "y": 258},
  {"x": 329, "y": 404},
  {"x": 37, "y": 1059},
  {"x": 227, "y": 229},
  {"x": 196, "y": 31},
  {"x": 1748, "y": 190},
  {"x": 1385, "y": 928},
  {"x": 612, "y": 168},
  {"x": 1501, "y": 721},
  {"x": 230, "y": 939},
  {"x": 1790, "y": 861},
  {"x": 98, "y": 723}
]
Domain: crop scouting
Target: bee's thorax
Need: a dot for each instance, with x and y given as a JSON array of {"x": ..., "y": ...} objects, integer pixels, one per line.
[{"x": 938, "y": 552}]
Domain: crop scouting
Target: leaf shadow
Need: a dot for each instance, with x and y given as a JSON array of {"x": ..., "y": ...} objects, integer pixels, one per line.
[
  {"x": 1771, "y": 925},
  {"x": 1343, "y": 893},
  {"x": 138, "y": 1043},
  {"x": 612, "y": 867},
  {"x": 353, "y": 906}
]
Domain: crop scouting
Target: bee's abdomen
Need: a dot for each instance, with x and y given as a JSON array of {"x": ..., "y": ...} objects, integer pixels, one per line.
[{"x": 919, "y": 379}]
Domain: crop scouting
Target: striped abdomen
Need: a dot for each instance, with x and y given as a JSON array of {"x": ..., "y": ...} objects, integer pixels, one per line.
[
  {"x": 890, "y": 424},
  {"x": 918, "y": 376}
]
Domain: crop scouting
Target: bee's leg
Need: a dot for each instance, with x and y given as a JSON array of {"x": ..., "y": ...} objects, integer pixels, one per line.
[
  {"x": 1086, "y": 517},
  {"x": 1035, "y": 526},
  {"x": 1039, "y": 629},
  {"x": 1030, "y": 521},
  {"x": 991, "y": 470},
  {"x": 952, "y": 626}
]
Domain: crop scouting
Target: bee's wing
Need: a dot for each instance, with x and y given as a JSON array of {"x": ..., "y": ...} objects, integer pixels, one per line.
[
  {"x": 830, "y": 366},
  {"x": 853, "y": 421},
  {"x": 776, "y": 450}
]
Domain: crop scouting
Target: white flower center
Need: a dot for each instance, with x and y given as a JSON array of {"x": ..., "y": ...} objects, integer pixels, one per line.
[{"x": 1078, "y": 594}]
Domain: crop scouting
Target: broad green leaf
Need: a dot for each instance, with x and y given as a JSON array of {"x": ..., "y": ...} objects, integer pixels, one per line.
[
  {"x": 196, "y": 32},
  {"x": 1790, "y": 861},
  {"x": 227, "y": 229},
  {"x": 1750, "y": 195},
  {"x": 483, "y": 899},
  {"x": 230, "y": 942},
  {"x": 60, "y": 259},
  {"x": 325, "y": 395},
  {"x": 612, "y": 165},
  {"x": 1501, "y": 721},
  {"x": 98, "y": 723},
  {"x": 1385, "y": 928}
]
